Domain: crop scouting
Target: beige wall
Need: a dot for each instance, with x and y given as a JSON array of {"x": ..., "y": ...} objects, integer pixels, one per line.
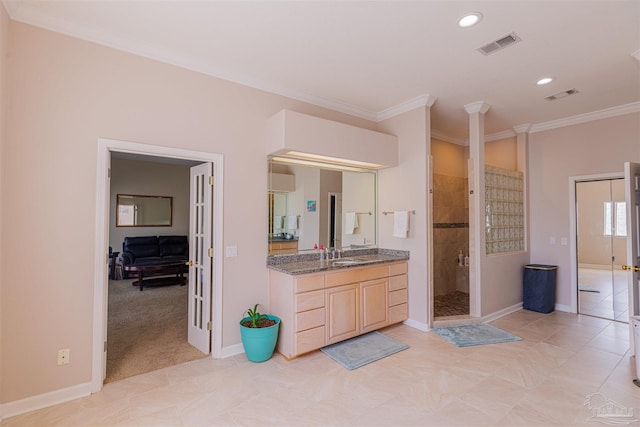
[
  {"x": 155, "y": 179},
  {"x": 596, "y": 147},
  {"x": 502, "y": 153},
  {"x": 65, "y": 94},
  {"x": 405, "y": 188},
  {"x": 4, "y": 59},
  {"x": 449, "y": 159}
]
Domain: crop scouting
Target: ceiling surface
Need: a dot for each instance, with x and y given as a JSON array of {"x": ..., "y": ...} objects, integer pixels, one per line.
[{"x": 371, "y": 59}]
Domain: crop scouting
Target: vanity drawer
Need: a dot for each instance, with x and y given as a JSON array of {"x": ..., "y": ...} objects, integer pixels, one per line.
[
  {"x": 397, "y": 297},
  {"x": 309, "y": 340},
  {"x": 398, "y": 313},
  {"x": 400, "y": 268},
  {"x": 309, "y": 283},
  {"x": 356, "y": 275},
  {"x": 310, "y": 319},
  {"x": 309, "y": 300},
  {"x": 398, "y": 282}
]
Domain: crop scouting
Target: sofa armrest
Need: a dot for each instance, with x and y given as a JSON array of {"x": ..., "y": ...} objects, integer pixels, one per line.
[{"x": 128, "y": 258}]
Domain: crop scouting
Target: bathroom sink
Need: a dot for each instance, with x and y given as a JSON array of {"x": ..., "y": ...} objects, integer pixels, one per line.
[{"x": 348, "y": 262}]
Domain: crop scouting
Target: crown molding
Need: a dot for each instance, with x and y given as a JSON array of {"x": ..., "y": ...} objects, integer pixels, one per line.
[
  {"x": 522, "y": 128},
  {"x": 436, "y": 134},
  {"x": 418, "y": 101},
  {"x": 620, "y": 110},
  {"x": 24, "y": 12},
  {"x": 500, "y": 135},
  {"x": 477, "y": 107}
]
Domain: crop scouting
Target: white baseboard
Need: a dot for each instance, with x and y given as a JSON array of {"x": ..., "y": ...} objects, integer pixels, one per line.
[
  {"x": 231, "y": 350},
  {"x": 563, "y": 307},
  {"x": 501, "y": 313},
  {"x": 417, "y": 325},
  {"x": 44, "y": 400}
]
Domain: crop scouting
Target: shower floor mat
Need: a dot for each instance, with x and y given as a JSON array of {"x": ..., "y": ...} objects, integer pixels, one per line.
[{"x": 478, "y": 334}]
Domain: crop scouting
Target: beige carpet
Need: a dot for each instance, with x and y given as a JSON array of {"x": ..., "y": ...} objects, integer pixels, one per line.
[{"x": 146, "y": 330}]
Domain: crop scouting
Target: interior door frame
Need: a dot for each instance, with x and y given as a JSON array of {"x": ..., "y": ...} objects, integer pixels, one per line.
[
  {"x": 573, "y": 224},
  {"x": 105, "y": 147}
]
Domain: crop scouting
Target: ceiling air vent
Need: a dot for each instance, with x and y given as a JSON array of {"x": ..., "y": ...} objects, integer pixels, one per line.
[
  {"x": 499, "y": 44},
  {"x": 562, "y": 94}
]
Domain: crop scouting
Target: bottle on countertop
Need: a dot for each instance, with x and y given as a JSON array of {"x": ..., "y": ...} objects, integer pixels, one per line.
[{"x": 460, "y": 258}]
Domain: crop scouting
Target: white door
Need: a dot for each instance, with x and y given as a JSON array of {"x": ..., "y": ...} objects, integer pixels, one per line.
[
  {"x": 201, "y": 257},
  {"x": 632, "y": 198}
]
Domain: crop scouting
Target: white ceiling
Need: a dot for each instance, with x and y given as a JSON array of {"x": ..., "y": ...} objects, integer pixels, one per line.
[{"x": 371, "y": 59}]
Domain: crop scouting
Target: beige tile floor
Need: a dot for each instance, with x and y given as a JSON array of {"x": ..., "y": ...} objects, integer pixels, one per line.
[
  {"x": 543, "y": 380},
  {"x": 612, "y": 299}
]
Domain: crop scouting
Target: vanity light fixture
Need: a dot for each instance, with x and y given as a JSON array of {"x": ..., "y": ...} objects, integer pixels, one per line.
[
  {"x": 469, "y": 19},
  {"x": 319, "y": 164},
  {"x": 327, "y": 160},
  {"x": 544, "y": 81}
]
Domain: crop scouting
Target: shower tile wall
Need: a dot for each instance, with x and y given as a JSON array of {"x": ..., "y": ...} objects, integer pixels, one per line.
[{"x": 450, "y": 229}]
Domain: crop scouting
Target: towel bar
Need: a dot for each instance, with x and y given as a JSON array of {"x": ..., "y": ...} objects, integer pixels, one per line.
[{"x": 387, "y": 213}]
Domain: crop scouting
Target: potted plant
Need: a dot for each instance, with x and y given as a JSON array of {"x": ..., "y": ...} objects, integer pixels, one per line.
[{"x": 259, "y": 334}]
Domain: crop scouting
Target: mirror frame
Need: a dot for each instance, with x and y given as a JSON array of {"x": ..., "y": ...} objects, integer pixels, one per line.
[{"x": 138, "y": 196}]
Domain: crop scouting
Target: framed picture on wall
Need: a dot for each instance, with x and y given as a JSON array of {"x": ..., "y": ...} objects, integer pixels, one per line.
[{"x": 311, "y": 205}]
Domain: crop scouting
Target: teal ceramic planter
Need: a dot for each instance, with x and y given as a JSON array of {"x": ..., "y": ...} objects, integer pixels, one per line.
[{"x": 259, "y": 343}]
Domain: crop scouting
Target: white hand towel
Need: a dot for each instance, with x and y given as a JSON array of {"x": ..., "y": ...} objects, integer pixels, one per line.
[
  {"x": 277, "y": 221},
  {"x": 351, "y": 222},
  {"x": 400, "y": 224},
  {"x": 292, "y": 222}
]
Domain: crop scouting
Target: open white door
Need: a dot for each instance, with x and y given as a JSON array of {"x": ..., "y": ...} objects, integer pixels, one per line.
[
  {"x": 201, "y": 257},
  {"x": 632, "y": 196}
]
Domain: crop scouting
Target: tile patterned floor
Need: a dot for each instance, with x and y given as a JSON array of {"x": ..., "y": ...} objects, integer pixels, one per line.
[
  {"x": 605, "y": 293},
  {"x": 543, "y": 380},
  {"x": 453, "y": 304}
]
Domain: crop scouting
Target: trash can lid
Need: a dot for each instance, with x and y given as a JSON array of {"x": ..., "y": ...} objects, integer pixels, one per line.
[{"x": 541, "y": 267}]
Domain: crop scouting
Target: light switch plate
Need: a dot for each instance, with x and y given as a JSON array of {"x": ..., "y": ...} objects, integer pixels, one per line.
[
  {"x": 231, "y": 251},
  {"x": 564, "y": 241},
  {"x": 552, "y": 240}
]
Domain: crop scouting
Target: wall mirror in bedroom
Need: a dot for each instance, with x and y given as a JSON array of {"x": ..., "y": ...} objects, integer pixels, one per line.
[
  {"x": 317, "y": 204},
  {"x": 143, "y": 211}
]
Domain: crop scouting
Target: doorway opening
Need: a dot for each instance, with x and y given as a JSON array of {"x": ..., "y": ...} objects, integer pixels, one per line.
[
  {"x": 601, "y": 249},
  {"x": 163, "y": 305},
  {"x": 212, "y": 326}
]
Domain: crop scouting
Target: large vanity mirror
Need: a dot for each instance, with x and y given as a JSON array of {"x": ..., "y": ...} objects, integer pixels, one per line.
[
  {"x": 316, "y": 205},
  {"x": 143, "y": 211}
]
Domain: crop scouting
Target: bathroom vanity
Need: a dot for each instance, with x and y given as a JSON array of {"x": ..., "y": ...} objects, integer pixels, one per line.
[{"x": 322, "y": 302}]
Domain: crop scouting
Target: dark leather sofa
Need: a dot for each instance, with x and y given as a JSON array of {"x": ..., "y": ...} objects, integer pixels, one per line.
[{"x": 154, "y": 250}]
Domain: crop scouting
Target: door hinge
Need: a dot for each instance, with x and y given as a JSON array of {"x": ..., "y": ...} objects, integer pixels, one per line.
[
  {"x": 105, "y": 346},
  {"x": 109, "y": 173},
  {"x": 211, "y": 180},
  {"x": 210, "y": 252},
  {"x": 209, "y": 326}
]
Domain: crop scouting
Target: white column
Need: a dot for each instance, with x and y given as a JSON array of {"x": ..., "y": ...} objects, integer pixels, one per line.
[
  {"x": 522, "y": 141},
  {"x": 477, "y": 253}
]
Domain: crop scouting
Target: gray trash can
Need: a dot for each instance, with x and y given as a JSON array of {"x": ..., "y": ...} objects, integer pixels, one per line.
[{"x": 539, "y": 287}]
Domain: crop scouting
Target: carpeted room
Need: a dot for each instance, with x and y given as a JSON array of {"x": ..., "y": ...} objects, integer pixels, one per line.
[{"x": 146, "y": 330}]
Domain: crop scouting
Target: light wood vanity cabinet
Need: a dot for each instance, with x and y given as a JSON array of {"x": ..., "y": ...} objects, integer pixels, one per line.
[{"x": 323, "y": 308}]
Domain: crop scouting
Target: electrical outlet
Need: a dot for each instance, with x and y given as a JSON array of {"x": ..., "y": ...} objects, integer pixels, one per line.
[
  {"x": 564, "y": 241},
  {"x": 552, "y": 240},
  {"x": 63, "y": 356},
  {"x": 231, "y": 251}
]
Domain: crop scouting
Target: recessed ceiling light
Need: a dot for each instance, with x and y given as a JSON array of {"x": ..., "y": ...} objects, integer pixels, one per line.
[
  {"x": 469, "y": 19},
  {"x": 545, "y": 80}
]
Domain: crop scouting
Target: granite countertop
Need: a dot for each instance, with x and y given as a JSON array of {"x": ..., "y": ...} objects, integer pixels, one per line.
[
  {"x": 281, "y": 239},
  {"x": 305, "y": 264}
]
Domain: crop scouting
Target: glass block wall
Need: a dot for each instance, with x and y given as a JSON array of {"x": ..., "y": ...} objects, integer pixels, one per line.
[{"x": 504, "y": 210}]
